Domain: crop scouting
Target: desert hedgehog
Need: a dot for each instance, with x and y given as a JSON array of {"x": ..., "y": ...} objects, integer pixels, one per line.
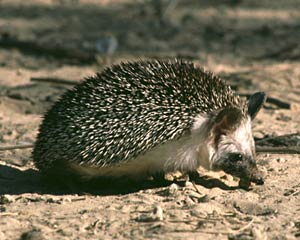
[{"x": 141, "y": 118}]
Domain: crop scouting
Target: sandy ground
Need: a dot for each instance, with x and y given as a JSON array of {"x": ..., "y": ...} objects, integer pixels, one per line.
[{"x": 254, "y": 45}]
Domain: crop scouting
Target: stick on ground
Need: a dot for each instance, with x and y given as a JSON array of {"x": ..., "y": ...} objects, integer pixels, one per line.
[
  {"x": 272, "y": 100},
  {"x": 13, "y": 147},
  {"x": 278, "y": 150},
  {"x": 54, "y": 80}
]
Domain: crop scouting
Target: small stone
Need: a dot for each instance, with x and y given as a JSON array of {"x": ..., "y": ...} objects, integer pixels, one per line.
[
  {"x": 258, "y": 233},
  {"x": 174, "y": 176},
  {"x": 173, "y": 189},
  {"x": 297, "y": 224},
  {"x": 281, "y": 160},
  {"x": 5, "y": 199},
  {"x": 158, "y": 213},
  {"x": 291, "y": 224},
  {"x": 53, "y": 200},
  {"x": 189, "y": 201},
  {"x": 239, "y": 236},
  {"x": 193, "y": 194},
  {"x": 2, "y": 209},
  {"x": 197, "y": 197},
  {"x": 34, "y": 234},
  {"x": 259, "y": 135},
  {"x": 66, "y": 200},
  {"x": 189, "y": 184}
]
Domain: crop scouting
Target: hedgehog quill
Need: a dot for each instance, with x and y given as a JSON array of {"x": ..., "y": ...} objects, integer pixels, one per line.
[{"x": 141, "y": 118}]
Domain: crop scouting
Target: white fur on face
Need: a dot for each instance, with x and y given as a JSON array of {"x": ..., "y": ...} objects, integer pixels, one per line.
[{"x": 238, "y": 141}]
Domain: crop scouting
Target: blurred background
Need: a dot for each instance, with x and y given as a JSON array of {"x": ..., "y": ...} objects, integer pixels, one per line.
[
  {"x": 39, "y": 34},
  {"x": 224, "y": 36},
  {"x": 46, "y": 46}
]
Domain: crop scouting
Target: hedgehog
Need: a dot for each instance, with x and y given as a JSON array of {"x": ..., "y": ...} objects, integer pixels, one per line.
[{"x": 137, "y": 119}]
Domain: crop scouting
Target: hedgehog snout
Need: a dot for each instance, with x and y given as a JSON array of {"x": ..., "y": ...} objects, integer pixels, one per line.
[{"x": 239, "y": 165}]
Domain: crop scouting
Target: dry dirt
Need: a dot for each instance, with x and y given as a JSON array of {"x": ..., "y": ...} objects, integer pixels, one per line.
[{"x": 254, "y": 45}]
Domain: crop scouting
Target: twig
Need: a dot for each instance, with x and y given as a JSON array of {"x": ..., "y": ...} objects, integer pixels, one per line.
[
  {"x": 277, "y": 138},
  {"x": 281, "y": 53},
  {"x": 203, "y": 231},
  {"x": 8, "y": 214},
  {"x": 95, "y": 226},
  {"x": 54, "y": 80},
  {"x": 272, "y": 100},
  {"x": 295, "y": 193},
  {"x": 245, "y": 227},
  {"x": 196, "y": 221},
  {"x": 278, "y": 150},
  {"x": 279, "y": 103},
  {"x": 78, "y": 199},
  {"x": 196, "y": 188},
  {"x": 12, "y": 147}
]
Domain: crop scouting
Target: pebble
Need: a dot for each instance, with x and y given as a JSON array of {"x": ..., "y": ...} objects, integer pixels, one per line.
[
  {"x": 281, "y": 160},
  {"x": 156, "y": 215},
  {"x": 5, "y": 199},
  {"x": 173, "y": 189},
  {"x": 34, "y": 234},
  {"x": 189, "y": 184},
  {"x": 189, "y": 201},
  {"x": 196, "y": 196},
  {"x": 258, "y": 233}
]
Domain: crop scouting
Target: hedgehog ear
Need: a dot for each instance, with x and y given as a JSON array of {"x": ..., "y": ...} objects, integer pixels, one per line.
[
  {"x": 255, "y": 103},
  {"x": 228, "y": 119}
]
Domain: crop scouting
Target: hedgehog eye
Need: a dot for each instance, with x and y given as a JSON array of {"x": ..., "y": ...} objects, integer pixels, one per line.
[{"x": 235, "y": 157}]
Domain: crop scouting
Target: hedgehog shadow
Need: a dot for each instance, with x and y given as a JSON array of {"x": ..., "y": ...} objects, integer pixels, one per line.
[
  {"x": 15, "y": 181},
  {"x": 106, "y": 186},
  {"x": 209, "y": 182}
]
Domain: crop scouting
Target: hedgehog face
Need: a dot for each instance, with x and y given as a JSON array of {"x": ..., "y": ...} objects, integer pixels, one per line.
[
  {"x": 233, "y": 149},
  {"x": 231, "y": 143}
]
